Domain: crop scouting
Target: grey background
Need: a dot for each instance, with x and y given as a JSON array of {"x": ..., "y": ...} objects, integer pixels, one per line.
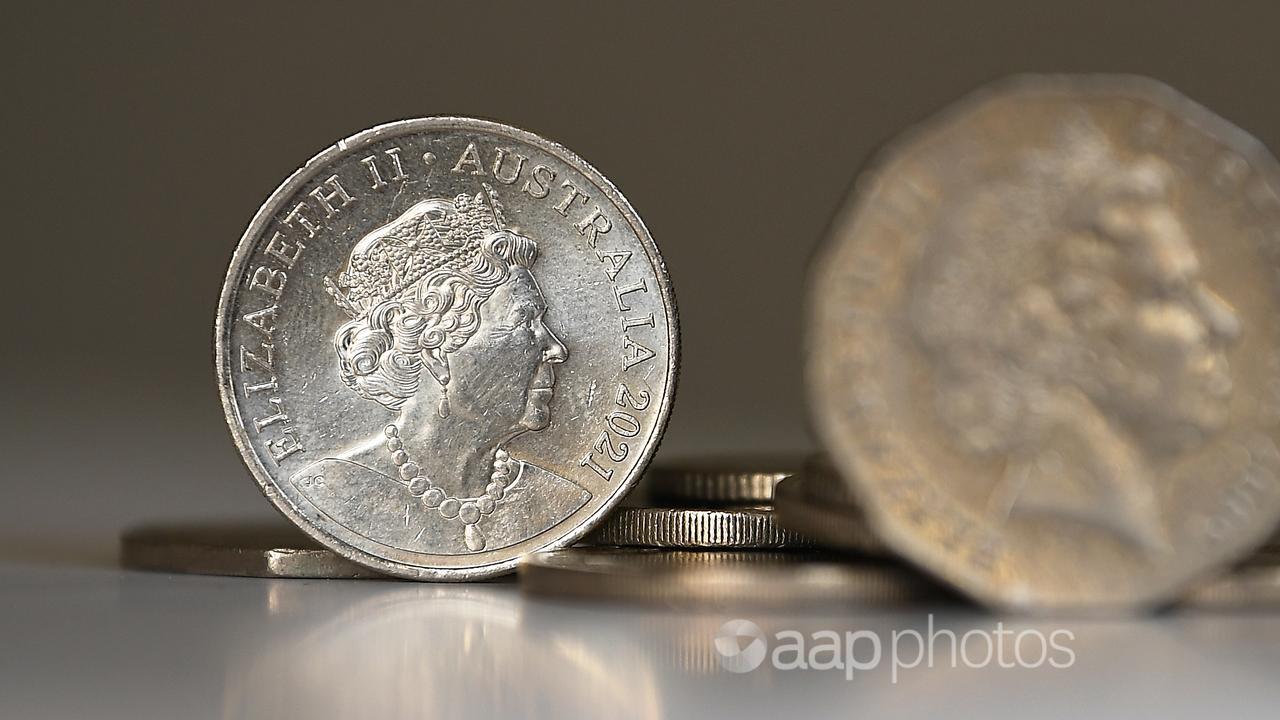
[{"x": 141, "y": 139}]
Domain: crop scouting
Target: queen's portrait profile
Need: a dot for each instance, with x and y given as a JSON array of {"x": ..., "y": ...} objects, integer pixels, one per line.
[
  {"x": 446, "y": 334},
  {"x": 1072, "y": 337}
]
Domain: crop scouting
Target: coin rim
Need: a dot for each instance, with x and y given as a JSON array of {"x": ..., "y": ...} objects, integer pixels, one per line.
[
  {"x": 697, "y": 487},
  {"x": 244, "y": 252},
  {"x": 798, "y": 510},
  {"x": 565, "y": 575},
  {"x": 205, "y": 548},
  {"x": 1163, "y": 588},
  {"x": 754, "y": 527}
]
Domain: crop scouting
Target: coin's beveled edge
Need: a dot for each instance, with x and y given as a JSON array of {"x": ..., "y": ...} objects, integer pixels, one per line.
[
  {"x": 753, "y": 527},
  {"x": 829, "y": 522},
  {"x": 570, "y": 575},
  {"x": 292, "y": 184},
  {"x": 862, "y": 193}
]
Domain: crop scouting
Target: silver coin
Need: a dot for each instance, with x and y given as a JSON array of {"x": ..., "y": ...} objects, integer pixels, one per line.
[
  {"x": 445, "y": 343},
  {"x": 1042, "y": 343},
  {"x": 818, "y": 506},
  {"x": 741, "y": 577},
  {"x": 266, "y": 551},
  {"x": 696, "y": 528},
  {"x": 730, "y": 481}
]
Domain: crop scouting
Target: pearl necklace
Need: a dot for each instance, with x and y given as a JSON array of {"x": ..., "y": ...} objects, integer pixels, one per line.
[{"x": 468, "y": 510}]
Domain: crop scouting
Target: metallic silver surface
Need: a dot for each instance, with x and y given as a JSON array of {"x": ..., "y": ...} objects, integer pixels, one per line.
[
  {"x": 694, "y": 528},
  {"x": 247, "y": 550},
  {"x": 740, "y": 577},
  {"x": 728, "y": 481},
  {"x": 445, "y": 343},
  {"x": 819, "y": 507},
  {"x": 1042, "y": 343}
]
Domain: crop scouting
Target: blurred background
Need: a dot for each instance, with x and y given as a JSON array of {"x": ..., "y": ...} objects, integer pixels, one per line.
[{"x": 142, "y": 139}]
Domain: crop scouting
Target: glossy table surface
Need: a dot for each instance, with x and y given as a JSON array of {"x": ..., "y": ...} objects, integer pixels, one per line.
[{"x": 84, "y": 638}]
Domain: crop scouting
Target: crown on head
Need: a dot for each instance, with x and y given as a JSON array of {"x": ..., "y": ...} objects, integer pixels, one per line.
[{"x": 431, "y": 235}]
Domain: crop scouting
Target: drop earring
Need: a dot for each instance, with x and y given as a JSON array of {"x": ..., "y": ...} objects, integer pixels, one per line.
[{"x": 443, "y": 410}]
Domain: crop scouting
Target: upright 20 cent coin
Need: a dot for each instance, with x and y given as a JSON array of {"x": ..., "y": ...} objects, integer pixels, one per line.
[
  {"x": 1043, "y": 343},
  {"x": 445, "y": 343}
]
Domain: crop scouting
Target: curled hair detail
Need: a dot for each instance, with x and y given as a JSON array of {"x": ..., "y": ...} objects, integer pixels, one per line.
[{"x": 381, "y": 355}]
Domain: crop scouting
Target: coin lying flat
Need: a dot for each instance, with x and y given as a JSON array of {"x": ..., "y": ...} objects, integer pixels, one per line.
[
  {"x": 696, "y": 528},
  {"x": 1041, "y": 339},
  {"x": 729, "y": 481},
  {"x": 818, "y": 506},
  {"x": 266, "y": 551},
  {"x": 445, "y": 343},
  {"x": 1253, "y": 583},
  {"x": 711, "y": 577}
]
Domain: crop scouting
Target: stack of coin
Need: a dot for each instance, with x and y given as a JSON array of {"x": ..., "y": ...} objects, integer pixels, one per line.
[
  {"x": 817, "y": 504},
  {"x": 1255, "y": 582},
  {"x": 1039, "y": 360},
  {"x": 717, "y": 540},
  {"x": 676, "y": 564},
  {"x": 710, "y": 504}
]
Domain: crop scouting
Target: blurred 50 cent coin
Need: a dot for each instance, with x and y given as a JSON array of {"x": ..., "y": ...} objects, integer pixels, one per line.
[{"x": 1042, "y": 340}]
